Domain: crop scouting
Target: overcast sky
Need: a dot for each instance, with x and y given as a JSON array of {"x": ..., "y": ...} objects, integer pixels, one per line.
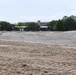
[{"x": 32, "y": 10}]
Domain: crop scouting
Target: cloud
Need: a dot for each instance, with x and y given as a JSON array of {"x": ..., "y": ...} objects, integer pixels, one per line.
[
  {"x": 56, "y": 16},
  {"x": 73, "y": 6},
  {"x": 35, "y": 18},
  {"x": 42, "y": 18}
]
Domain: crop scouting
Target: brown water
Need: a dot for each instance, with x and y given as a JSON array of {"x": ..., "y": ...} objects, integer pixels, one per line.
[{"x": 58, "y": 38}]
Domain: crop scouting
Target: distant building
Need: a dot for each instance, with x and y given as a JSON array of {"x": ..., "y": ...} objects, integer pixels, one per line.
[
  {"x": 43, "y": 26},
  {"x": 42, "y": 23},
  {"x": 21, "y": 28}
]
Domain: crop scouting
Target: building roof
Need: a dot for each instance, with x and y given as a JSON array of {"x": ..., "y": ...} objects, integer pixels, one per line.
[{"x": 43, "y": 26}]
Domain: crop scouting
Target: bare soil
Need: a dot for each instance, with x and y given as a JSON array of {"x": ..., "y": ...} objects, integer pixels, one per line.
[{"x": 19, "y": 58}]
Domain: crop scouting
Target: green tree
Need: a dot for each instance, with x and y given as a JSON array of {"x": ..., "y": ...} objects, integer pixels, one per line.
[
  {"x": 5, "y": 26},
  {"x": 66, "y": 24},
  {"x": 59, "y": 26},
  {"x": 51, "y": 25},
  {"x": 32, "y": 26},
  {"x": 70, "y": 23},
  {"x": 19, "y": 24}
]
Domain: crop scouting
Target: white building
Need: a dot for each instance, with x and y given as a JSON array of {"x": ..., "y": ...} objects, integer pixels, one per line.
[
  {"x": 42, "y": 23},
  {"x": 21, "y": 28}
]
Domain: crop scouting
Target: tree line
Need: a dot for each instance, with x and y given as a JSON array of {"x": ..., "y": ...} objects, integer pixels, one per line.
[
  {"x": 64, "y": 24},
  {"x": 6, "y": 26}
]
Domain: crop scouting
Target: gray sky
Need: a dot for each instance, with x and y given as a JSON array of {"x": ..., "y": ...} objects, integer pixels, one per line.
[{"x": 32, "y": 10}]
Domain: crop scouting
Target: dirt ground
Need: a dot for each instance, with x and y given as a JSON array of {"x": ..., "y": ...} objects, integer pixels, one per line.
[{"x": 19, "y": 58}]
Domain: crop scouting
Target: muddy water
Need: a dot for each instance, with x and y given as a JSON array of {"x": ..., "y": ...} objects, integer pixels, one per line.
[{"x": 55, "y": 38}]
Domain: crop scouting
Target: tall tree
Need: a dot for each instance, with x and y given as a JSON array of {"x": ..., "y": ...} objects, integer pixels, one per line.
[
  {"x": 70, "y": 23},
  {"x": 51, "y": 24},
  {"x": 5, "y": 26},
  {"x": 59, "y": 26}
]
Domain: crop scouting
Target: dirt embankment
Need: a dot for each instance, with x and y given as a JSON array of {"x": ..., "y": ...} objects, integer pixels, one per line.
[{"x": 19, "y": 58}]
